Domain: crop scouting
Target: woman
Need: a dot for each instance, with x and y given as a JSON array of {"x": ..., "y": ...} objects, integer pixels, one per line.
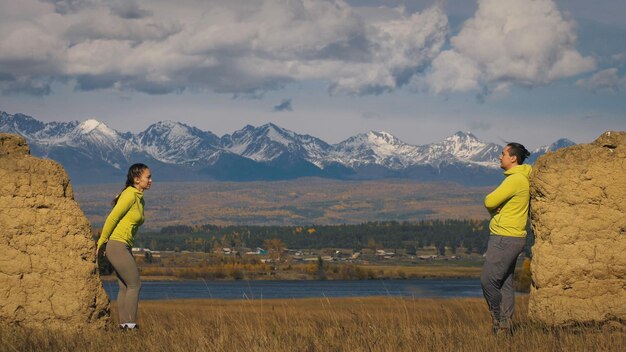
[{"x": 118, "y": 234}]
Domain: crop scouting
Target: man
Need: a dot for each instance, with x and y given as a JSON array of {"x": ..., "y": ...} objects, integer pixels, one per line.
[{"x": 508, "y": 205}]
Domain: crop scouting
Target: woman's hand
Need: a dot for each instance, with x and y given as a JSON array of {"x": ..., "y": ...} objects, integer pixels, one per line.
[{"x": 104, "y": 251}]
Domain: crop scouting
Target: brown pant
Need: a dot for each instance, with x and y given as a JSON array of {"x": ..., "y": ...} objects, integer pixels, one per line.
[{"x": 120, "y": 256}]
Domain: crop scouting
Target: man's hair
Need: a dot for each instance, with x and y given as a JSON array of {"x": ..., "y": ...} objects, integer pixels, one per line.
[{"x": 519, "y": 151}]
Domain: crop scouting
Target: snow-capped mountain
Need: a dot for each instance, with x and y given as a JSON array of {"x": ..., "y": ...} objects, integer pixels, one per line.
[
  {"x": 91, "y": 139},
  {"x": 374, "y": 148},
  {"x": 176, "y": 143},
  {"x": 268, "y": 142},
  {"x": 465, "y": 146},
  {"x": 92, "y": 152},
  {"x": 561, "y": 143},
  {"x": 20, "y": 124},
  {"x": 382, "y": 148},
  {"x": 97, "y": 138}
]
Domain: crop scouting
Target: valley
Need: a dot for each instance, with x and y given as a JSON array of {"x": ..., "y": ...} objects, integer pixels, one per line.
[{"x": 292, "y": 202}]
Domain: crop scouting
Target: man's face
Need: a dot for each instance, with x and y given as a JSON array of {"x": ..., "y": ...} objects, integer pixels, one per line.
[{"x": 507, "y": 161}]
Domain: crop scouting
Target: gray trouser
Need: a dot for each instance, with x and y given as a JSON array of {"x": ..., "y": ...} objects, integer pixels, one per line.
[
  {"x": 127, "y": 273},
  {"x": 497, "y": 275}
]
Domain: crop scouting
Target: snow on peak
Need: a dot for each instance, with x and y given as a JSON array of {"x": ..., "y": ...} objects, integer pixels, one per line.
[
  {"x": 89, "y": 125},
  {"x": 93, "y": 125},
  {"x": 463, "y": 141},
  {"x": 177, "y": 143},
  {"x": 168, "y": 123},
  {"x": 277, "y": 134},
  {"x": 383, "y": 138},
  {"x": 462, "y": 137},
  {"x": 380, "y": 148},
  {"x": 176, "y": 129},
  {"x": 561, "y": 143},
  {"x": 464, "y": 146}
]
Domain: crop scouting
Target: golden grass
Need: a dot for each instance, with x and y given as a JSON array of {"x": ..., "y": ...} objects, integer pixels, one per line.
[
  {"x": 353, "y": 324},
  {"x": 425, "y": 271}
]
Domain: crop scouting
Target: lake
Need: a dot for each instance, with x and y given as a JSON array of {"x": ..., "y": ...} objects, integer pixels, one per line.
[{"x": 262, "y": 289}]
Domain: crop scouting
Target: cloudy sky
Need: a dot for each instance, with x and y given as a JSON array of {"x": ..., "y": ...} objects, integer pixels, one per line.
[{"x": 530, "y": 71}]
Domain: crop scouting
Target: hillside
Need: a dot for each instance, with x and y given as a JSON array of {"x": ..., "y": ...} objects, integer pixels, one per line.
[{"x": 293, "y": 202}]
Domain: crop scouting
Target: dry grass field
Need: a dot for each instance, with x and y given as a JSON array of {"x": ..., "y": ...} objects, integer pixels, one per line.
[
  {"x": 296, "y": 202},
  {"x": 355, "y": 324}
]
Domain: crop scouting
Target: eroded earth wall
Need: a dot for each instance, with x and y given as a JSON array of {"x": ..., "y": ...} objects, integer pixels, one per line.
[
  {"x": 578, "y": 204},
  {"x": 48, "y": 272}
]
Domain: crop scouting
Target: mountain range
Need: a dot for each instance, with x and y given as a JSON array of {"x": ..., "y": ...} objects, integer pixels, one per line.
[{"x": 92, "y": 152}]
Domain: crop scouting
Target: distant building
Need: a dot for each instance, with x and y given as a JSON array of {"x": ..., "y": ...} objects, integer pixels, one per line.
[
  {"x": 140, "y": 252},
  {"x": 382, "y": 253},
  {"x": 258, "y": 251},
  {"x": 427, "y": 257}
]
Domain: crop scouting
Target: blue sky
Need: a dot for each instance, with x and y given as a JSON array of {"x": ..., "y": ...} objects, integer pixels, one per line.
[{"x": 507, "y": 70}]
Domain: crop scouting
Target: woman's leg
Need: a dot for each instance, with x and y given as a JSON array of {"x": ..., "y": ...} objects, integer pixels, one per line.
[
  {"x": 121, "y": 299},
  {"x": 128, "y": 278}
]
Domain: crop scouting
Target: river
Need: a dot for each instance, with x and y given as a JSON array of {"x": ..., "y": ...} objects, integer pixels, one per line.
[{"x": 262, "y": 289}]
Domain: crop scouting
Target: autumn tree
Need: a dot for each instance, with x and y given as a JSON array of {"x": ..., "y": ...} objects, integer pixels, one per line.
[{"x": 275, "y": 248}]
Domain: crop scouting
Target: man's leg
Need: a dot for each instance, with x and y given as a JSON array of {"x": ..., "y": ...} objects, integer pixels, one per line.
[
  {"x": 501, "y": 255},
  {"x": 508, "y": 289},
  {"x": 507, "y": 305}
]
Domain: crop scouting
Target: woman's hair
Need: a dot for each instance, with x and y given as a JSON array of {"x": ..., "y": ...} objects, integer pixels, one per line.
[{"x": 135, "y": 170}]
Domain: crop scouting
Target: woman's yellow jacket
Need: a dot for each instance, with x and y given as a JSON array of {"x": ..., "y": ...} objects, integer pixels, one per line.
[{"x": 125, "y": 218}]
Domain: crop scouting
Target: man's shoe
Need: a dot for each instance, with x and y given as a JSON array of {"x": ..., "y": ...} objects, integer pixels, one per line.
[
  {"x": 495, "y": 327},
  {"x": 504, "y": 328}
]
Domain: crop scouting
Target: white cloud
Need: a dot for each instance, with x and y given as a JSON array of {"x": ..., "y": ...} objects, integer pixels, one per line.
[
  {"x": 247, "y": 47},
  {"x": 233, "y": 46},
  {"x": 455, "y": 72},
  {"x": 619, "y": 58},
  {"x": 608, "y": 79},
  {"x": 509, "y": 41}
]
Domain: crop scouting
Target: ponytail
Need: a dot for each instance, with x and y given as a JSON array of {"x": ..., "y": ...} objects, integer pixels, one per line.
[{"x": 135, "y": 170}]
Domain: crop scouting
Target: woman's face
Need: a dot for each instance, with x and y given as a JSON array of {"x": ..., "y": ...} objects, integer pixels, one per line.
[{"x": 144, "y": 181}]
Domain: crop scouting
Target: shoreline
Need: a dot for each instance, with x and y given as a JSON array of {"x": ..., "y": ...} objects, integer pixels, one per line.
[
  {"x": 461, "y": 274},
  {"x": 109, "y": 278},
  {"x": 347, "y": 272}
]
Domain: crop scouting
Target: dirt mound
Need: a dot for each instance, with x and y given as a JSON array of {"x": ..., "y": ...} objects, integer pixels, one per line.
[
  {"x": 48, "y": 272},
  {"x": 578, "y": 202}
]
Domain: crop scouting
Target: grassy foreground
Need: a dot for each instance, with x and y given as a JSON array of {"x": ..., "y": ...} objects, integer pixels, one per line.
[{"x": 353, "y": 324}]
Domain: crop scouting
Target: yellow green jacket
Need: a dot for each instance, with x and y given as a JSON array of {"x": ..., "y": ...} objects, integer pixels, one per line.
[
  {"x": 508, "y": 204},
  {"x": 125, "y": 218}
]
